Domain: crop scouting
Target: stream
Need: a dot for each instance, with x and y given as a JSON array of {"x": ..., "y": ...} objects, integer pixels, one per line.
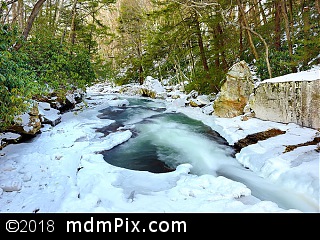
[{"x": 163, "y": 140}]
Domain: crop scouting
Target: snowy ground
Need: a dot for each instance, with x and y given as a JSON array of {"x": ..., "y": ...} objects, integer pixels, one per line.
[{"x": 60, "y": 170}]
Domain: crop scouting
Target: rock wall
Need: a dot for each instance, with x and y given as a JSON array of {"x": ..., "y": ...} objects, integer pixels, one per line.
[{"x": 289, "y": 101}]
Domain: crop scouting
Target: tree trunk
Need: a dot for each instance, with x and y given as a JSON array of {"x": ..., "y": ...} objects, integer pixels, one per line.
[
  {"x": 287, "y": 26},
  {"x": 191, "y": 58},
  {"x": 139, "y": 52},
  {"x": 247, "y": 27},
  {"x": 277, "y": 25},
  {"x": 57, "y": 14},
  {"x": 240, "y": 39},
  {"x": 32, "y": 17},
  {"x": 262, "y": 11},
  {"x": 14, "y": 13},
  {"x": 255, "y": 13},
  {"x": 21, "y": 13},
  {"x": 291, "y": 15},
  {"x": 221, "y": 56},
  {"x": 5, "y": 11},
  {"x": 318, "y": 5},
  {"x": 72, "y": 35},
  {"x": 30, "y": 21},
  {"x": 306, "y": 17},
  {"x": 266, "y": 48},
  {"x": 201, "y": 47}
]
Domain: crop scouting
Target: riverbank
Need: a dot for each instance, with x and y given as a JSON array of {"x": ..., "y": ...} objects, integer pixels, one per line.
[
  {"x": 296, "y": 169},
  {"x": 60, "y": 170}
]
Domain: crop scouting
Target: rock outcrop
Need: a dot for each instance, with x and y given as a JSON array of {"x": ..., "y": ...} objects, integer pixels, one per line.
[
  {"x": 28, "y": 123},
  {"x": 235, "y": 92},
  {"x": 288, "y": 102}
]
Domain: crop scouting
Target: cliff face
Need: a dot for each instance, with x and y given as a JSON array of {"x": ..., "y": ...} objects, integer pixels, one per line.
[{"x": 288, "y": 101}]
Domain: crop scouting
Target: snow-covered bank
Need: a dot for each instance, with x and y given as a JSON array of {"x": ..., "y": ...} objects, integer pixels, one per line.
[
  {"x": 297, "y": 170},
  {"x": 61, "y": 170}
]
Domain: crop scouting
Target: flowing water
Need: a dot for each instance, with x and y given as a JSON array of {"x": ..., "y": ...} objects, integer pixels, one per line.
[{"x": 163, "y": 140}]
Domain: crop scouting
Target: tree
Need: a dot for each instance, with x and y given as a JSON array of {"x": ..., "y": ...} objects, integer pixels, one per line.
[
  {"x": 30, "y": 21},
  {"x": 131, "y": 31}
]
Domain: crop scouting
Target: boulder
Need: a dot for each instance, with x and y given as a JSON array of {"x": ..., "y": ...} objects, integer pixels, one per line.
[
  {"x": 49, "y": 115},
  {"x": 28, "y": 123},
  {"x": 153, "y": 88},
  {"x": 235, "y": 92},
  {"x": 8, "y": 138}
]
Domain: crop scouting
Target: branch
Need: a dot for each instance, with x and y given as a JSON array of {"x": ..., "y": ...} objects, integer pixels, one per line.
[
  {"x": 4, "y": 4},
  {"x": 266, "y": 46},
  {"x": 31, "y": 19},
  {"x": 195, "y": 5},
  {"x": 7, "y": 3},
  {"x": 255, "y": 33}
]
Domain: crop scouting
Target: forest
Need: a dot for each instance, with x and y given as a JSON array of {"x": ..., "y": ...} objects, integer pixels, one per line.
[{"x": 52, "y": 47}]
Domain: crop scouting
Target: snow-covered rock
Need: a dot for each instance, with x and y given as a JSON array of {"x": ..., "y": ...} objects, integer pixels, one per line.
[
  {"x": 289, "y": 98},
  {"x": 49, "y": 115}
]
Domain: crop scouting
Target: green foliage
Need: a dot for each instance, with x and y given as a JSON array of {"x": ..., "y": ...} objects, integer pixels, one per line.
[
  {"x": 306, "y": 54},
  {"x": 130, "y": 37},
  {"x": 16, "y": 78},
  {"x": 59, "y": 68},
  {"x": 207, "y": 83},
  {"x": 280, "y": 63}
]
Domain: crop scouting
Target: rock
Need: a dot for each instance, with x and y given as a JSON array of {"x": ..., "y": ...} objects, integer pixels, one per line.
[
  {"x": 148, "y": 93},
  {"x": 208, "y": 109},
  {"x": 130, "y": 89},
  {"x": 235, "y": 92},
  {"x": 203, "y": 99},
  {"x": 193, "y": 94},
  {"x": 168, "y": 88},
  {"x": 194, "y": 103},
  {"x": 26, "y": 177},
  {"x": 10, "y": 186},
  {"x": 49, "y": 115},
  {"x": 175, "y": 96},
  {"x": 256, "y": 137},
  {"x": 247, "y": 116},
  {"x": 153, "y": 88},
  {"x": 288, "y": 102},
  {"x": 66, "y": 103},
  {"x": 8, "y": 138},
  {"x": 28, "y": 123}
]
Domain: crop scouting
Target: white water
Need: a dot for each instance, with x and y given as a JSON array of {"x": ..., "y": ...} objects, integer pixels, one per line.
[
  {"x": 208, "y": 157},
  {"x": 178, "y": 143}
]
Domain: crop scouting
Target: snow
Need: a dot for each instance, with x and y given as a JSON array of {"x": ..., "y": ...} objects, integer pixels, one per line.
[
  {"x": 61, "y": 170},
  {"x": 9, "y": 136},
  {"x": 48, "y": 114},
  {"x": 308, "y": 75},
  {"x": 154, "y": 84}
]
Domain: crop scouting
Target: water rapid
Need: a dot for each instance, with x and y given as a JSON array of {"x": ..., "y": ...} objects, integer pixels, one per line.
[{"x": 163, "y": 140}]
